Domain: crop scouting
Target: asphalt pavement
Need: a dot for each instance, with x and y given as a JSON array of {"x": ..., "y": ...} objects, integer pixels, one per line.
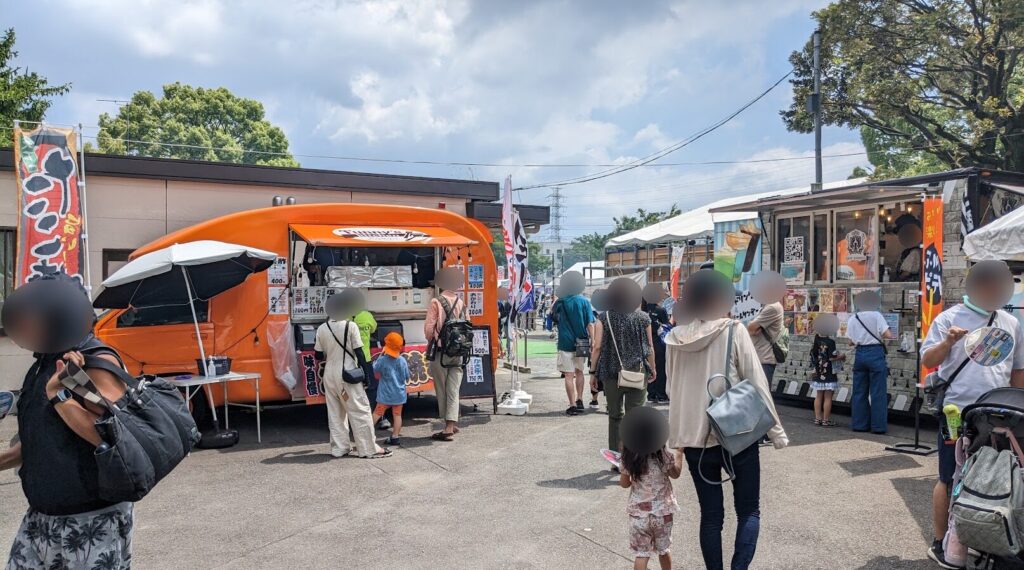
[{"x": 509, "y": 492}]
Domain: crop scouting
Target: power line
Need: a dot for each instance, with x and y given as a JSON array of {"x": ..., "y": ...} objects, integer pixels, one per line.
[{"x": 670, "y": 149}]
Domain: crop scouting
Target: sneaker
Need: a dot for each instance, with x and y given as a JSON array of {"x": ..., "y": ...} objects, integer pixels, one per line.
[
  {"x": 572, "y": 411},
  {"x": 594, "y": 405},
  {"x": 579, "y": 405},
  {"x": 384, "y": 424},
  {"x": 939, "y": 557},
  {"x": 396, "y": 441}
]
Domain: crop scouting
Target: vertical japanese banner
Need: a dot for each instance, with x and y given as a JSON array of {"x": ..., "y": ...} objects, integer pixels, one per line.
[
  {"x": 931, "y": 265},
  {"x": 678, "y": 251},
  {"x": 49, "y": 204}
]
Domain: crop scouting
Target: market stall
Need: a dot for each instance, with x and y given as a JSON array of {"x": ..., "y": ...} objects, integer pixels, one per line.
[
  {"x": 900, "y": 237},
  {"x": 267, "y": 326}
]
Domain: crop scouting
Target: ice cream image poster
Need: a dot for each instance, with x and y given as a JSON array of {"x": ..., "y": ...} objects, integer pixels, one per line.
[
  {"x": 737, "y": 250},
  {"x": 738, "y": 255}
]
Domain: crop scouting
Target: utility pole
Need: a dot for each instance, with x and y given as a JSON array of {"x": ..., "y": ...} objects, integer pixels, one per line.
[{"x": 815, "y": 107}]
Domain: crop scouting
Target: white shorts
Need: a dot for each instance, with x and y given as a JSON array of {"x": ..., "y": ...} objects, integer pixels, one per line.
[{"x": 569, "y": 362}]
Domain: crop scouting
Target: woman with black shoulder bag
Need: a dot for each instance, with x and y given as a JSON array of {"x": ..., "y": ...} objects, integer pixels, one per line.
[
  {"x": 623, "y": 354},
  {"x": 340, "y": 346}
]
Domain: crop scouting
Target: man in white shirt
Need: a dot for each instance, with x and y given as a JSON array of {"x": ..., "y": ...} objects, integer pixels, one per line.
[
  {"x": 867, "y": 330},
  {"x": 989, "y": 287}
]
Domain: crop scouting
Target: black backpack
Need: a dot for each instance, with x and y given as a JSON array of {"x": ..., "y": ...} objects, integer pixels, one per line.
[
  {"x": 145, "y": 434},
  {"x": 456, "y": 338}
]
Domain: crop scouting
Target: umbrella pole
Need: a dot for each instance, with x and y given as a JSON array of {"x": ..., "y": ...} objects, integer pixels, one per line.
[
  {"x": 195, "y": 321},
  {"x": 202, "y": 352}
]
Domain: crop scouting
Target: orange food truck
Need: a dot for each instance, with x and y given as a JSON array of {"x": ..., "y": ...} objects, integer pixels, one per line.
[{"x": 389, "y": 252}]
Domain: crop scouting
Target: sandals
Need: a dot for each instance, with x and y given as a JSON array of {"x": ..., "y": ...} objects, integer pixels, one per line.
[
  {"x": 817, "y": 422},
  {"x": 381, "y": 454},
  {"x": 828, "y": 423},
  {"x": 441, "y": 436}
]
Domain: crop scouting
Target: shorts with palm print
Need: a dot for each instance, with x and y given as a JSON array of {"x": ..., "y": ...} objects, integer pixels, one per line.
[{"x": 97, "y": 540}]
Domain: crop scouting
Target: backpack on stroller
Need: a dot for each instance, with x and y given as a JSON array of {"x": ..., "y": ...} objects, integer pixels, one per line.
[{"x": 987, "y": 506}]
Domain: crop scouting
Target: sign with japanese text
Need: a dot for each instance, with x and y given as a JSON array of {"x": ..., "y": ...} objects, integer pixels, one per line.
[
  {"x": 50, "y": 222},
  {"x": 931, "y": 268}
]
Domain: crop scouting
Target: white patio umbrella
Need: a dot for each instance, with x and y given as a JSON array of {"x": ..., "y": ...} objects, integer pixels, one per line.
[{"x": 181, "y": 274}]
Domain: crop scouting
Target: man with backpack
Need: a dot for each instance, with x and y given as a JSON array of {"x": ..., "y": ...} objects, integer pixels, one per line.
[
  {"x": 449, "y": 348},
  {"x": 989, "y": 287}
]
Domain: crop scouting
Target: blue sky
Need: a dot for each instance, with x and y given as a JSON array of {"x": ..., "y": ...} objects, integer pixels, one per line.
[{"x": 512, "y": 83}]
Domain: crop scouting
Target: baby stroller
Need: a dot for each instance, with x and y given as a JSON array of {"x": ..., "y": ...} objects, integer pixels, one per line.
[{"x": 995, "y": 422}]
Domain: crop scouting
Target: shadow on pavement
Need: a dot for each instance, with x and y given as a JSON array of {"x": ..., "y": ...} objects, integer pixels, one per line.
[
  {"x": 894, "y": 563},
  {"x": 586, "y": 482},
  {"x": 916, "y": 493},
  {"x": 306, "y": 457},
  {"x": 880, "y": 464}
]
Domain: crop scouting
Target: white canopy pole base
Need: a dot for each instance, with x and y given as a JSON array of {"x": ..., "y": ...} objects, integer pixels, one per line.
[{"x": 513, "y": 404}]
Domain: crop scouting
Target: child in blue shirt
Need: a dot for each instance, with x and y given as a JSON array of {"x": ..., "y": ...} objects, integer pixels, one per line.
[{"x": 393, "y": 372}]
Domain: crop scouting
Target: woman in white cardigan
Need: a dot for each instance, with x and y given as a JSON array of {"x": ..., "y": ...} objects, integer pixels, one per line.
[{"x": 695, "y": 351}]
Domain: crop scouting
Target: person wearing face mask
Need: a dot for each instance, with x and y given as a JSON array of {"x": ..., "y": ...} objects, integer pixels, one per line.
[
  {"x": 989, "y": 287},
  {"x": 53, "y": 318}
]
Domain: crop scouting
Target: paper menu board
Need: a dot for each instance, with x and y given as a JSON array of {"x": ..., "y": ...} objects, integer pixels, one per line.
[
  {"x": 277, "y": 300},
  {"x": 840, "y": 300},
  {"x": 893, "y": 320},
  {"x": 475, "y": 304},
  {"x": 475, "y": 276},
  {"x": 277, "y": 274},
  {"x": 481, "y": 342},
  {"x": 475, "y": 370},
  {"x": 826, "y": 303},
  {"x": 795, "y": 300}
]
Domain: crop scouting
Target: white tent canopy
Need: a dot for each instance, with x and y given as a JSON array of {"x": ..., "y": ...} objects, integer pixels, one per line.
[
  {"x": 700, "y": 222},
  {"x": 1001, "y": 239}
]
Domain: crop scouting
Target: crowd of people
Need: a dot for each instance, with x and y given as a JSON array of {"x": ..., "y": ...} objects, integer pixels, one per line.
[{"x": 623, "y": 337}]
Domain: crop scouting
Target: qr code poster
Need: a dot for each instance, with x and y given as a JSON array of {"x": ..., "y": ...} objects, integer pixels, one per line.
[
  {"x": 475, "y": 370},
  {"x": 793, "y": 249},
  {"x": 475, "y": 304}
]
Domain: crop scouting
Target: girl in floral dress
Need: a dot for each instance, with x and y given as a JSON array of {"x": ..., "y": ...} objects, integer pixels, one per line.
[{"x": 648, "y": 475}]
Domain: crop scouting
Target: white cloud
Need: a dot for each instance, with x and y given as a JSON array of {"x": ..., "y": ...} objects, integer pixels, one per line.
[{"x": 569, "y": 82}]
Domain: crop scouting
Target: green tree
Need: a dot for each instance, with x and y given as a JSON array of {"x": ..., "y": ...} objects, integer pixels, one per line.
[
  {"x": 931, "y": 83},
  {"x": 195, "y": 123},
  {"x": 587, "y": 247},
  {"x": 642, "y": 219},
  {"x": 24, "y": 96},
  {"x": 536, "y": 261}
]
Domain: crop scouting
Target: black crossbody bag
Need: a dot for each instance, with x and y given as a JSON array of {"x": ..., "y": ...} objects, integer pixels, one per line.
[{"x": 350, "y": 375}]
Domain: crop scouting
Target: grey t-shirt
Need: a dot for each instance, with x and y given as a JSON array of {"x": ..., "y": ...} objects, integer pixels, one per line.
[{"x": 770, "y": 318}]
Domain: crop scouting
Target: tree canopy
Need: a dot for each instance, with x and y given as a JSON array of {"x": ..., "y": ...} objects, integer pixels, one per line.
[
  {"x": 195, "y": 123},
  {"x": 642, "y": 219},
  {"x": 932, "y": 84},
  {"x": 24, "y": 96}
]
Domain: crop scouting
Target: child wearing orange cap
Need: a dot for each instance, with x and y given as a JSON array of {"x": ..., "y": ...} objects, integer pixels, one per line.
[{"x": 393, "y": 371}]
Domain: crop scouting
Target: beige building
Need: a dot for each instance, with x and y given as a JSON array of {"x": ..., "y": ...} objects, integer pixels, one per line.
[{"x": 134, "y": 200}]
